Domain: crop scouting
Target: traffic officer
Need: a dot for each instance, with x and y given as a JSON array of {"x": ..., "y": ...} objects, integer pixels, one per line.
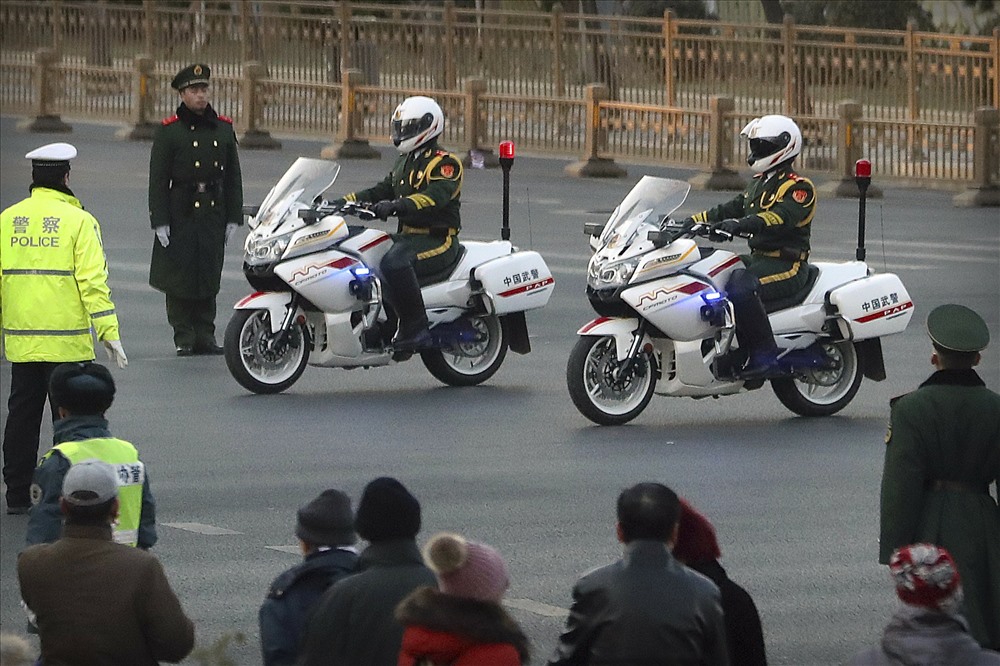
[
  {"x": 84, "y": 392},
  {"x": 53, "y": 291},
  {"x": 195, "y": 206},
  {"x": 423, "y": 190},
  {"x": 942, "y": 455},
  {"x": 776, "y": 212}
]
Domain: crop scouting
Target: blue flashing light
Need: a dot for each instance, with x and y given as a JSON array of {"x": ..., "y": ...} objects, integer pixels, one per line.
[
  {"x": 362, "y": 272},
  {"x": 712, "y": 297}
]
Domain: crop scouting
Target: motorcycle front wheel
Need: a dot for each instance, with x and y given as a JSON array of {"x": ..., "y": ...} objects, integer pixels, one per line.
[
  {"x": 470, "y": 363},
  {"x": 822, "y": 391},
  {"x": 599, "y": 390},
  {"x": 256, "y": 363}
]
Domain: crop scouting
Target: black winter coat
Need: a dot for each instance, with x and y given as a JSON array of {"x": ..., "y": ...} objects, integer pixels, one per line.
[
  {"x": 292, "y": 596},
  {"x": 744, "y": 635}
]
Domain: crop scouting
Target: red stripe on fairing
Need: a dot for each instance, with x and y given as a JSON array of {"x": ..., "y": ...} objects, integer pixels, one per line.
[
  {"x": 693, "y": 287},
  {"x": 531, "y": 286},
  {"x": 718, "y": 269},
  {"x": 343, "y": 262},
  {"x": 885, "y": 313},
  {"x": 594, "y": 324},
  {"x": 247, "y": 299},
  {"x": 368, "y": 246}
]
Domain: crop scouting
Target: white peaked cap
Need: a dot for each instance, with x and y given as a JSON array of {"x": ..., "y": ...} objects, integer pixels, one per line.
[{"x": 52, "y": 154}]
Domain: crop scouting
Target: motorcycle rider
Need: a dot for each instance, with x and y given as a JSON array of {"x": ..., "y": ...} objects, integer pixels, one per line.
[
  {"x": 423, "y": 190},
  {"x": 775, "y": 213}
]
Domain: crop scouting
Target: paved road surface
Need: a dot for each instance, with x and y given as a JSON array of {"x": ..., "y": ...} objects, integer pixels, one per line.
[{"x": 794, "y": 500}]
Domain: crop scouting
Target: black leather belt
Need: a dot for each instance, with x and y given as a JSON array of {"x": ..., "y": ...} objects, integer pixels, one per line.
[
  {"x": 198, "y": 186},
  {"x": 956, "y": 486}
]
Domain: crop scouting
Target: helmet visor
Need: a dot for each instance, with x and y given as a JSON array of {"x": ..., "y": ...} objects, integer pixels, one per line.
[
  {"x": 765, "y": 146},
  {"x": 410, "y": 127}
]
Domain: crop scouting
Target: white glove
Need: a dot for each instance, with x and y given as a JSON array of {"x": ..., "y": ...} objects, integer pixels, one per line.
[
  {"x": 163, "y": 235},
  {"x": 116, "y": 352},
  {"x": 230, "y": 229}
]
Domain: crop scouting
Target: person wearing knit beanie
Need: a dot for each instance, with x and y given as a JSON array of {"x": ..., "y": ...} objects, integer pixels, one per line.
[
  {"x": 698, "y": 548},
  {"x": 462, "y": 622},
  {"x": 354, "y": 622},
  {"x": 928, "y": 626},
  {"x": 325, "y": 529}
]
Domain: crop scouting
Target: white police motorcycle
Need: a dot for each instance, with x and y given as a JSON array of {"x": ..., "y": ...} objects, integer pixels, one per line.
[
  {"x": 318, "y": 296},
  {"x": 666, "y": 326}
]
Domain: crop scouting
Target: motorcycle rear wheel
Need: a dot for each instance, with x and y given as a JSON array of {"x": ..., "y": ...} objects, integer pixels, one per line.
[
  {"x": 832, "y": 389},
  {"x": 252, "y": 364},
  {"x": 471, "y": 363},
  {"x": 594, "y": 389}
]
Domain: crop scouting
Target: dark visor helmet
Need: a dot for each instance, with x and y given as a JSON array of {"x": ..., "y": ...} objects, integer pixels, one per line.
[
  {"x": 415, "y": 122},
  {"x": 772, "y": 140}
]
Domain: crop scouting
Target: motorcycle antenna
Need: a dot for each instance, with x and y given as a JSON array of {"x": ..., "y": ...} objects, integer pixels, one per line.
[
  {"x": 506, "y": 161},
  {"x": 863, "y": 177}
]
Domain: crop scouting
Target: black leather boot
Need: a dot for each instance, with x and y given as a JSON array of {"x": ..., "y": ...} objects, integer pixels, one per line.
[
  {"x": 753, "y": 328},
  {"x": 409, "y": 305}
]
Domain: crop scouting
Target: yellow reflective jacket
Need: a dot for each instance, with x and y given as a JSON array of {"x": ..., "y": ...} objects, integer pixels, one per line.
[
  {"x": 131, "y": 474},
  {"x": 53, "y": 280}
]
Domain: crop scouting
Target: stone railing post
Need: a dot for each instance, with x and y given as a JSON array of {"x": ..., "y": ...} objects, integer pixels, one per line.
[
  {"x": 720, "y": 149},
  {"x": 254, "y": 137},
  {"x": 476, "y": 154},
  {"x": 849, "y": 150},
  {"x": 351, "y": 116},
  {"x": 143, "y": 128},
  {"x": 45, "y": 77},
  {"x": 593, "y": 166},
  {"x": 985, "y": 161}
]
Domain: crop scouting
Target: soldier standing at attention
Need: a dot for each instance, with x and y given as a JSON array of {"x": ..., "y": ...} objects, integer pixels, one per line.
[
  {"x": 195, "y": 205},
  {"x": 942, "y": 455}
]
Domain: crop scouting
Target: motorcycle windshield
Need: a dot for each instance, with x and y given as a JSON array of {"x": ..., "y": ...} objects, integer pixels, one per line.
[
  {"x": 305, "y": 180},
  {"x": 651, "y": 200}
]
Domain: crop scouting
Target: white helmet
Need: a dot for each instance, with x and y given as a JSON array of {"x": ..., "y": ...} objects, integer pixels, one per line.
[
  {"x": 772, "y": 140},
  {"x": 416, "y": 121}
]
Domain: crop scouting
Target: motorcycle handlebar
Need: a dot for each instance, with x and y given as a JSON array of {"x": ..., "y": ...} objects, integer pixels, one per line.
[{"x": 323, "y": 208}]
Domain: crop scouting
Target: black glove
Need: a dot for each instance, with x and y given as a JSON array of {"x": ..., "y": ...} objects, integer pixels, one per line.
[
  {"x": 724, "y": 231},
  {"x": 385, "y": 208}
]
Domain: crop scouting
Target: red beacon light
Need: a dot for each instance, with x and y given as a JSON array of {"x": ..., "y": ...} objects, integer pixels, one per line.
[
  {"x": 507, "y": 150},
  {"x": 862, "y": 169}
]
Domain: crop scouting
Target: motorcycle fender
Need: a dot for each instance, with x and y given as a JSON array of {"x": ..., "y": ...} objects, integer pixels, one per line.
[
  {"x": 870, "y": 356},
  {"x": 515, "y": 327},
  {"x": 620, "y": 329},
  {"x": 276, "y": 303}
]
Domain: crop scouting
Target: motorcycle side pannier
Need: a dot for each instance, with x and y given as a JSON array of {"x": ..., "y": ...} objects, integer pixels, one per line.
[
  {"x": 872, "y": 307},
  {"x": 516, "y": 282}
]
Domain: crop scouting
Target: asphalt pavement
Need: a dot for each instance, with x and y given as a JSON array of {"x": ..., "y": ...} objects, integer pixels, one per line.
[{"x": 794, "y": 500}]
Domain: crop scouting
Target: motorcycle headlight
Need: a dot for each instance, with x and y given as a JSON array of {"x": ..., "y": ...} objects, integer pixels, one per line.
[
  {"x": 601, "y": 275},
  {"x": 264, "y": 250}
]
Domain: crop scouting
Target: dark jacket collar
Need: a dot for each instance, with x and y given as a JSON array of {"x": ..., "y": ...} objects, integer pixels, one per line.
[
  {"x": 323, "y": 562},
  {"x": 954, "y": 377},
  {"x": 78, "y": 428},
  {"x": 191, "y": 118},
  {"x": 481, "y": 621},
  {"x": 97, "y": 532},
  {"x": 647, "y": 552},
  {"x": 399, "y": 552}
]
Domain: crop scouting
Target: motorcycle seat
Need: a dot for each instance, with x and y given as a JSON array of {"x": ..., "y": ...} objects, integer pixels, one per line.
[
  {"x": 797, "y": 297},
  {"x": 444, "y": 273}
]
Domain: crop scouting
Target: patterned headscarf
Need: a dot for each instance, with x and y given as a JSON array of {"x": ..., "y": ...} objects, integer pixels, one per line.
[{"x": 926, "y": 575}]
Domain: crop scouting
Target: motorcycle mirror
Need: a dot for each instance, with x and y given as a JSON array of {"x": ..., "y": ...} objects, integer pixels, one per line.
[{"x": 593, "y": 228}]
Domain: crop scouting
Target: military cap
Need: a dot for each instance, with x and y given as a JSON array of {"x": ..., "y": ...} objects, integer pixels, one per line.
[
  {"x": 191, "y": 75},
  {"x": 52, "y": 155},
  {"x": 957, "y": 328}
]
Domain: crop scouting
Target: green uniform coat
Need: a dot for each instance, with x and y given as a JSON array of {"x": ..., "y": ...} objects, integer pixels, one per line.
[
  {"x": 778, "y": 211},
  {"x": 948, "y": 430},
  {"x": 189, "y": 149}
]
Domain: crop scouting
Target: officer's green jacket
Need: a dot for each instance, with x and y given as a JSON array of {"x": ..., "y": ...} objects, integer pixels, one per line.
[
  {"x": 429, "y": 180},
  {"x": 196, "y": 188},
  {"x": 53, "y": 280},
  {"x": 948, "y": 430},
  {"x": 78, "y": 438}
]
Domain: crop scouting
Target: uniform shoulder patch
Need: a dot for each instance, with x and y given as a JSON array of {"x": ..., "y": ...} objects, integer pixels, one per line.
[
  {"x": 171, "y": 120},
  {"x": 225, "y": 119},
  {"x": 447, "y": 171},
  {"x": 800, "y": 196}
]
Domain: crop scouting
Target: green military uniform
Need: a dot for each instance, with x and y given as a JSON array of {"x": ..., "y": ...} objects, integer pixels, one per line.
[
  {"x": 778, "y": 211},
  {"x": 429, "y": 182},
  {"x": 195, "y": 188},
  {"x": 942, "y": 454}
]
